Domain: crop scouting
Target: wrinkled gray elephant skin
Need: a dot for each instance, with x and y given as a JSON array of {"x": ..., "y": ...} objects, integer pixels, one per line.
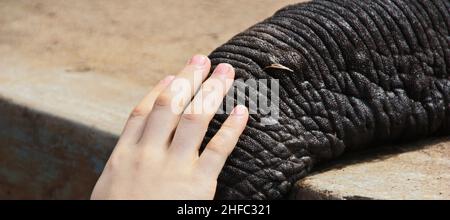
[{"x": 358, "y": 73}]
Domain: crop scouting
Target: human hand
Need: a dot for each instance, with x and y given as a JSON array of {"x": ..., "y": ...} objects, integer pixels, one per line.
[{"x": 157, "y": 155}]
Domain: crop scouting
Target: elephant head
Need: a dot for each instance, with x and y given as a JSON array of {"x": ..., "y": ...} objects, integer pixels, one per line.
[{"x": 351, "y": 74}]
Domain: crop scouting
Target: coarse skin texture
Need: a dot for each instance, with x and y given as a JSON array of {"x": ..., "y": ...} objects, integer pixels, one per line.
[{"x": 365, "y": 73}]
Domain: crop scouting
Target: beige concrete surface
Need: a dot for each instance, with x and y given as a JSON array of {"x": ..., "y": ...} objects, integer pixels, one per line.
[
  {"x": 138, "y": 40},
  {"x": 413, "y": 171}
]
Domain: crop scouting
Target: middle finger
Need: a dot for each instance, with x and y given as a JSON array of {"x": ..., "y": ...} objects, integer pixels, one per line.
[
  {"x": 194, "y": 122},
  {"x": 172, "y": 101}
]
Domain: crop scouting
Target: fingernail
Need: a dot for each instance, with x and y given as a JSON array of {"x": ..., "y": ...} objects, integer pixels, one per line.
[
  {"x": 167, "y": 79},
  {"x": 199, "y": 60},
  {"x": 222, "y": 69},
  {"x": 239, "y": 110}
]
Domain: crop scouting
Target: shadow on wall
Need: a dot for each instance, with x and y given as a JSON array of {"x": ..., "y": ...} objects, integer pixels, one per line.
[{"x": 47, "y": 157}]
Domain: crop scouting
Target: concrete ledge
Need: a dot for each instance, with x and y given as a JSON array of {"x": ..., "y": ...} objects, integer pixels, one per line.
[
  {"x": 55, "y": 139},
  {"x": 414, "y": 171},
  {"x": 88, "y": 98},
  {"x": 57, "y": 129}
]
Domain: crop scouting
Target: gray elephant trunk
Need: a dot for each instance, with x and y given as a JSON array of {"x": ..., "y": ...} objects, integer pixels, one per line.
[{"x": 352, "y": 74}]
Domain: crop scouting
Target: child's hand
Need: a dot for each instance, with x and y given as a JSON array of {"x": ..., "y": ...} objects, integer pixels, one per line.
[{"x": 157, "y": 155}]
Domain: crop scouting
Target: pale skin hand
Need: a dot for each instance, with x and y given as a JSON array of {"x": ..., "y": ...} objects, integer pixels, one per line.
[{"x": 157, "y": 155}]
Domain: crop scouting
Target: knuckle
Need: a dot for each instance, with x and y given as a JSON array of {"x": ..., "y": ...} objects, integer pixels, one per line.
[
  {"x": 113, "y": 163},
  {"x": 217, "y": 148},
  {"x": 163, "y": 100},
  {"x": 219, "y": 143},
  {"x": 138, "y": 111},
  {"x": 228, "y": 128},
  {"x": 119, "y": 155},
  {"x": 192, "y": 117},
  {"x": 225, "y": 135}
]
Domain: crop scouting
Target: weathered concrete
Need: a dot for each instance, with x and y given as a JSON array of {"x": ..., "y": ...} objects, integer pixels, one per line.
[
  {"x": 414, "y": 171},
  {"x": 57, "y": 129},
  {"x": 69, "y": 75}
]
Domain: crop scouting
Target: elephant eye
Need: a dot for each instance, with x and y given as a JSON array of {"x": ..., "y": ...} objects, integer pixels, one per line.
[{"x": 278, "y": 66}]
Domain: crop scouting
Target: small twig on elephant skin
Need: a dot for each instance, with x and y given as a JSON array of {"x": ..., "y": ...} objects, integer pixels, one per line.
[{"x": 278, "y": 66}]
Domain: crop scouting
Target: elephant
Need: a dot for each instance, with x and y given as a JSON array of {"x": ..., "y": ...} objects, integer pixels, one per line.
[{"x": 352, "y": 74}]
